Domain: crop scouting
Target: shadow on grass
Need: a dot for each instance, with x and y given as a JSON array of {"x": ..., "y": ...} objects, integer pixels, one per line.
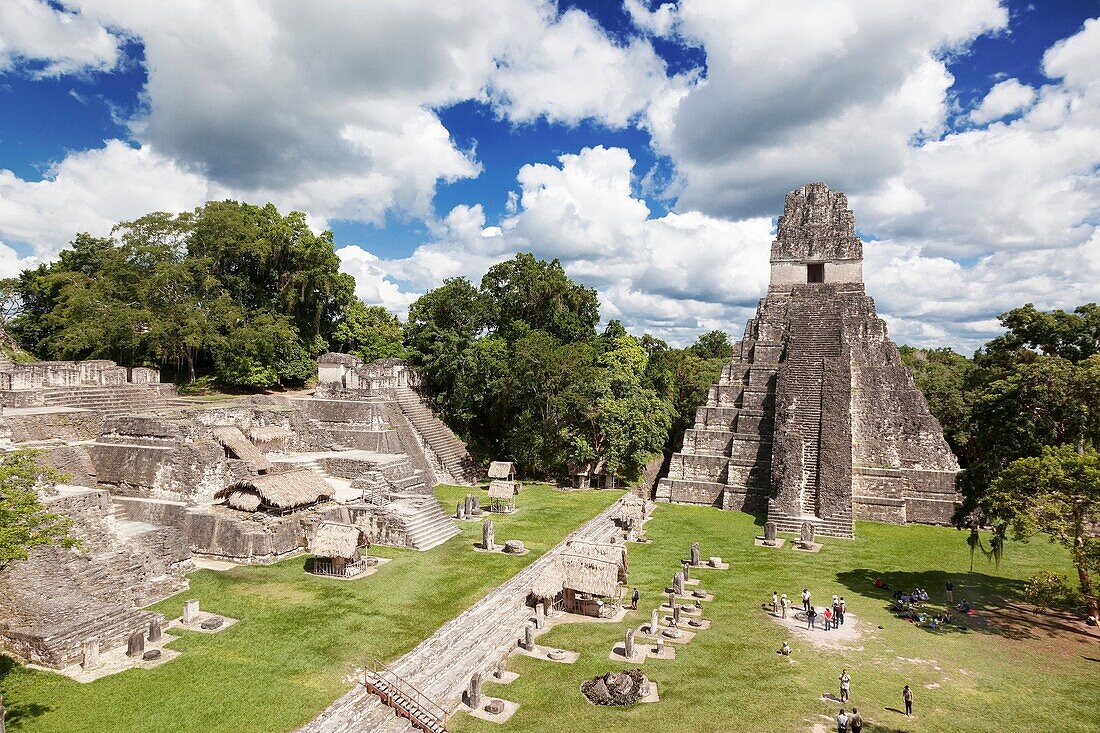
[
  {"x": 997, "y": 603},
  {"x": 16, "y": 712}
]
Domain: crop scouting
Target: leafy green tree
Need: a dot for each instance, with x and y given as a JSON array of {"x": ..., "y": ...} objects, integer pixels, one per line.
[
  {"x": 1072, "y": 336},
  {"x": 944, "y": 377},
  {"x": 368, "y": 331},
  {"x": 540, "y": 296},
  {"x": 713, "y": 345},
  {"x": 24, "y": 521},
  {"x": 1056, "y": 493}
]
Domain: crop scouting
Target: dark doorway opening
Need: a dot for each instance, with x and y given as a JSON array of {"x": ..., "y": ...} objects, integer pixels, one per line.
[{"x": 815, "y": 272}]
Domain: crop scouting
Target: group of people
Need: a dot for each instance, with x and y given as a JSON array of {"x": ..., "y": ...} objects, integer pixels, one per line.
[
  {"x": 853, "y": 722},
  {"x": 833, "y": 614}
]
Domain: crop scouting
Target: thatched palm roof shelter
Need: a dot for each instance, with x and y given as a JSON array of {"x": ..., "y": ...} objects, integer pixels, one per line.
[
  {"x": 269, "y": 436},
  {"x": 339, "y": 540},
  {"x": 283, "y": 491},
  {"x": 595, "y": 568},
  {"x": 502, "y": 496},
  {"x": 241, "y": 447},
  {"x": 505, "y": 470}
]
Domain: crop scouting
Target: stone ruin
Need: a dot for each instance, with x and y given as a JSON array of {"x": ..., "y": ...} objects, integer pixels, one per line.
[
  {"x": 617, "y": 688},
  {"x": 147, "y": 479},
  {"x": 815, "y": 419}
]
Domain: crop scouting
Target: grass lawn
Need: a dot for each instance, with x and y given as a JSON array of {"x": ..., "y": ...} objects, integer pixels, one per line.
[
  {"x": 298, "y": 635},
  {"x": 1001, "y": 675}
]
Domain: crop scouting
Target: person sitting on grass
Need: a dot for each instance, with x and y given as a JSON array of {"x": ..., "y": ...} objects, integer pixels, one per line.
[
  {"x": 879, "y": 584},
  {"x": 785, "y": 650},
  {"x": 964, "y": 607}
]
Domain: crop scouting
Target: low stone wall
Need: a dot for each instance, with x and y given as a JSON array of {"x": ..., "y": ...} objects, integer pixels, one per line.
[
  {"x": 52, "y": 425},
  {"x": 904, "y": 495}
]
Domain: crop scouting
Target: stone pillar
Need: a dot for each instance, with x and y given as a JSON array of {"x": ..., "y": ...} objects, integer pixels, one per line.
[
  {"x": 676, "y": 616},
  {"x": 806, "y": 537},
  {"x": 695, "y": 553},
  {"x": 660, "y": 646},
  {"x": 498, "y": 671},
  {"x": 653, "y": 623},
  {"x": 91, "y": 655},
  {"x": 460, "y": 511},
  {"x": 769, "y": 534},
  {"x": 628, "y": 646},
  {"x": 154, "y": 630},
  {"x": 678, "y": 584},
  {"x": 469, "y": 505},
  {"x": 487, "y": 535},
  {"x": 191, "y": 612},
  {"x": 477, "y": 504},
  {"x": 135, "y": 645},
  {"x": 473, "y": 694},
  {"x": 686, "y": 572},
  {"x": 540, "y": 616},
  {"x": 529, "y": 638},
  {"x": 672, "y": 600}
]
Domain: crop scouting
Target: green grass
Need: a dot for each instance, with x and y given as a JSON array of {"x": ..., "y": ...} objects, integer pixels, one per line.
[
  {"x": 729, "y": 678},
  {"x": 298, "y": 635}
]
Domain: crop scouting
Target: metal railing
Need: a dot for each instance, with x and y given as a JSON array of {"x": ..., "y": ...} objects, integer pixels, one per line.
[{"x": 392, "y": 684}]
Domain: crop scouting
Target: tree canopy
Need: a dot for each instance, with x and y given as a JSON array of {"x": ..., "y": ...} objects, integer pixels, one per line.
[
  {"x": 24, "y": 521},
  {"x": 230, "y": 289}
]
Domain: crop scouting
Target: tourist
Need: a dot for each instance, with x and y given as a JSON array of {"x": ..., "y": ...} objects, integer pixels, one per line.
[
  {"x": 806, "y": 599},
  {"x": 841, "y": 722},
  {"x": 783, "y": 603},
  {"x": 775, "y": 603},
  {"x": 634, "y": 599},
  {"x": 835, "y": 599},
  {"x": 855, "y": 721},
  {"x": 907, "y": 698},
  {"x": 828, "y": 617},
  {"x": 811, "y": 618},
  {"x": 785, "y": 650},
  {"x": 836, "y": 614},
  {"x": 843, "y": 610},
  {"x": 949, "y": 591},
  {"x": 845, "y": 685}
]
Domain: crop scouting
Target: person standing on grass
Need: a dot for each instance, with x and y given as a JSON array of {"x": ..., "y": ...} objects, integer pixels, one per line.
[
  {"x": 907, "y": 698},
  {"x": 845, "y": 685},
  {"x": 949, "y": 591},
  {"x": 806, "y": 599},
  {"x": 634, "y": 599},
  {"x": 842, "y": 722},
  {"x": 855, "y": 721},
  {"x": 828, "y": 617},
  {"x": 775, "y": 603},
  {"x": 811, "y": 618},
  {"x": 843, "y": 610},
  {"x": 783, "y": 603}
]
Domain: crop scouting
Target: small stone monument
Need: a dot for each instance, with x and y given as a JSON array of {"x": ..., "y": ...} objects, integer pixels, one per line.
[
  {"x": 653, "y": 622},
  {"x": 695, "y": 554},
  {"x": 678, "y": 584},
  {"x": 498, "y": 671},
  {"x": 460, "y": 511},
  {"x": 540, "y": 616},
  {"x": 686, "y": 572},
  {"x": 514, "y": 547},
  {"x": 769, "y": 533},
  {"x": 671, "y": 600},
  {"x": 91, "y": 655},
  {"x": 676, "y": 616},
  {"x": 151, "y": 656},
  {"x": 660, "y": 646},
  {"x": 469, "y": 505},
  {"x": 477, "y": 504},
  {"x": 473, "y": 694},
  {"x": 154, "y": 630},
  {"x": 529, "y": 638},
  {"x": 214, "y": 622},
  {"x": 135, "y": 644},
  {"x": 806, "y": 536},
  {"x": 487, "y": 535},
  {"x": 191, "y": 612},
  {"x": 715, "y": 562},
  {"x": 628, "y": 646}
]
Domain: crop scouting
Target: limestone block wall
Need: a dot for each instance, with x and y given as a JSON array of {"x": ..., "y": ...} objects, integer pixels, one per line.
[
  {"x": 51, "y": 425},
  {"x": 382, "y": 527}
]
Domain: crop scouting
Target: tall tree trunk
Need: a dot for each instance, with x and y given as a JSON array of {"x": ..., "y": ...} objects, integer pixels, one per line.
[
  {"x": 190, "y": 364},
  {"x": 1079, "y": 560}
]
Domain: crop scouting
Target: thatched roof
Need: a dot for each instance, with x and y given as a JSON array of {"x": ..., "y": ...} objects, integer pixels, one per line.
[
  {"x": 501, "y": 469},
  {"x": 502, "y": 489},
  {"x": 585, "y": 567},
  {"x": 232, "y": 438},
  {"x": 587, "y": 468},
  {"x": 337, "y": 539},
  {"x": 632, "y": 510},
  {"x": 286, "y": 490},
  {"x": 245, "y": 501},
  {"x": 268, "y": 433}
]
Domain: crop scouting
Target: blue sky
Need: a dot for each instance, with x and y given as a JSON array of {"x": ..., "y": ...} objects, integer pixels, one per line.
[{"x": 647, "y": 147}]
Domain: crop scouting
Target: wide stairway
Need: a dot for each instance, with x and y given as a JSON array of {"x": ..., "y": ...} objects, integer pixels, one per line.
[
  {"x": 116, "y": 400},
  {"x": 816, "y": 333},
  {"x": 426, "y": 523},
  {"x": 477, "y": 639},
  {"x": 447, "y": 453}
]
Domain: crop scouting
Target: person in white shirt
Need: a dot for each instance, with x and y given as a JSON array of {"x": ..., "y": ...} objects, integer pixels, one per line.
[
  {"x": 775, "y": 603},
  {"x": 805, "y": 599},
  {"x": 845, "y": 685},
  {"x": 842, "y": 722}
]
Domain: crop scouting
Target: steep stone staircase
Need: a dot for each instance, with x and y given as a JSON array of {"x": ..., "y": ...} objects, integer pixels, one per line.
[
  {"x": 446, "y": 453},
  {"x": 426, "y": 523}
]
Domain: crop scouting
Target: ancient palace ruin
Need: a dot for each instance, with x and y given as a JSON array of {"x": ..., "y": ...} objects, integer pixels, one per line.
[{"x": 815, "y": 419}]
